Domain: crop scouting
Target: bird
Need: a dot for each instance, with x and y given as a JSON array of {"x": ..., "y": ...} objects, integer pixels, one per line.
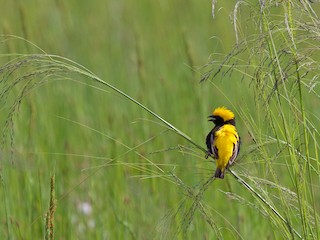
[{"x": 223, "y": 141}]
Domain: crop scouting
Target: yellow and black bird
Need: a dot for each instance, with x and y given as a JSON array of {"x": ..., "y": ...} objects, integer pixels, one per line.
[{"x": 223, "y": 141}]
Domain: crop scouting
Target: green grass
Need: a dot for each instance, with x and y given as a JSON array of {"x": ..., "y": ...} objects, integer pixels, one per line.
[
  {"x": 124, "y": 140},
  {"x": 283, "y": 68}
]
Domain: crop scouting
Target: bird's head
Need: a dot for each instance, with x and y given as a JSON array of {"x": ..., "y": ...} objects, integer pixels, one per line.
[{"x": 222, "y": 115}]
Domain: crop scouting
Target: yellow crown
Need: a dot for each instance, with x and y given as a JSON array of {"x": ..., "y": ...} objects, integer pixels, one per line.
[{"x": 223, "y": 112}]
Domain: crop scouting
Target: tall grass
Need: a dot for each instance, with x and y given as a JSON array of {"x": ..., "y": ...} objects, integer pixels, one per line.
[
  {"x": 281, "y": 57},
  {"x": 49, "y": 227}
]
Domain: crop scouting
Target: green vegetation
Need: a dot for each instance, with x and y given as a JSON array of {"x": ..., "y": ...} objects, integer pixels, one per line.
[{"x": 104, "y": 119}]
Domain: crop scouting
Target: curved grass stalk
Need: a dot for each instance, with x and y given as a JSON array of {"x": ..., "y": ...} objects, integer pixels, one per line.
[{"x": 84, "y": 71}]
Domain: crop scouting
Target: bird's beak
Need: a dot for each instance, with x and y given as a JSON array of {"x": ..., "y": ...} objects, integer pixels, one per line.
[{"x": 211, "y": 118}]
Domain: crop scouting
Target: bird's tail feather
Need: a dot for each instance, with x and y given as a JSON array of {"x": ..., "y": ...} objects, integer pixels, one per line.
[{"x": 219, "y": 173}]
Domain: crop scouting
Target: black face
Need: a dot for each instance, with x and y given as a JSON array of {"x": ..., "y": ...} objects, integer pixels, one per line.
[{"x": 218, "y": 121}]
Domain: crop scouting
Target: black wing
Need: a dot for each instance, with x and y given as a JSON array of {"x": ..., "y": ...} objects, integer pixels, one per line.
[
  {"x": 236, "y": 150},
  {"x": 210, "y": 143}
]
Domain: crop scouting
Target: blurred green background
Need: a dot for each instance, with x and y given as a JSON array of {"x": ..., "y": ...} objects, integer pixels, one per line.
[{"x": 153, "y": 51}]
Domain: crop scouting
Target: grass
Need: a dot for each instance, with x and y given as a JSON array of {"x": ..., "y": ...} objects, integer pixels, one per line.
[
  {"x": 122, "y": 169},
  {"x": 281, "y": 71},
  {"x": 50, "y": 213}
]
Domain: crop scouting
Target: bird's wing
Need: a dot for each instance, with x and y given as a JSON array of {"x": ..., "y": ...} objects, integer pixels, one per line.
[
  {"x": 236, "y": 150},
  {"x": 210, "y": 140}
]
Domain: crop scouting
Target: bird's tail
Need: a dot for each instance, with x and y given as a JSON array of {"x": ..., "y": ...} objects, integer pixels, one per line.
[{"x": 219, "y": 173}]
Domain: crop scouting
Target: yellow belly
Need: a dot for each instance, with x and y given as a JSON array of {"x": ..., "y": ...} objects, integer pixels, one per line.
[{"x": 225, "y": 140}]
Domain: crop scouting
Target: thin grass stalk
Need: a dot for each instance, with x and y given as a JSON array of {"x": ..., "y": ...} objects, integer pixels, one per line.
[
  {"x": 49, "y": 227},
  {"x": 197, "y": 204},
  {"x": 272, "y": 50},
  {"x": 305, "y": 164},
  {"x": 96, "y": 78},
  {"x": 257, "y": 195},
  {"x": 8, "y": 224},
  {"x": 317, "y": 230}
]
